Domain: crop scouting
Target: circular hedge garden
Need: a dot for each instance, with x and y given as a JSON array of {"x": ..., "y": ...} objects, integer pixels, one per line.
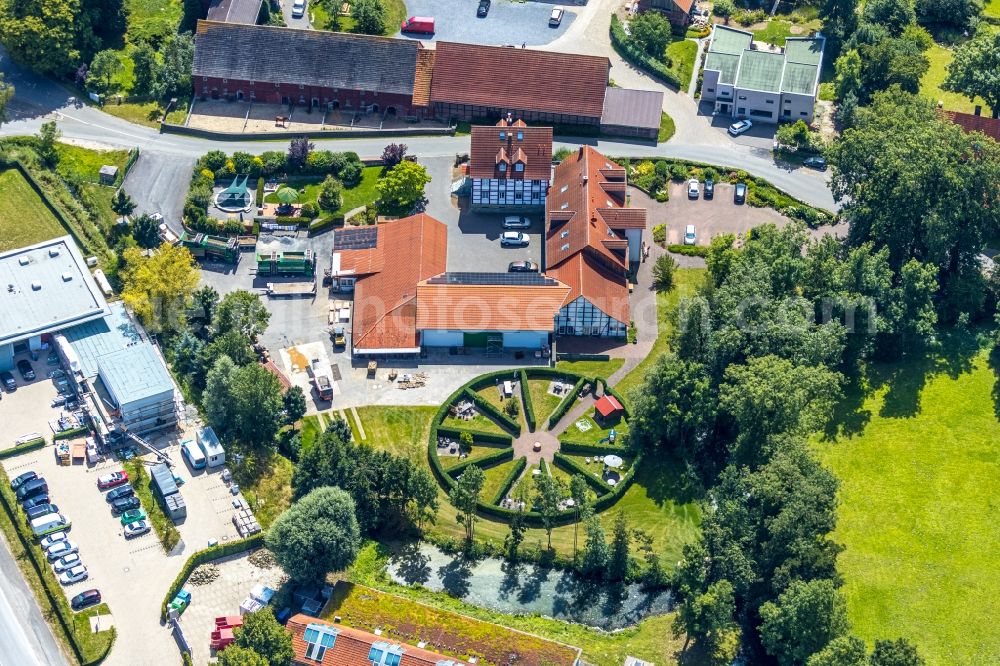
[{"x": 493, "y": 432}]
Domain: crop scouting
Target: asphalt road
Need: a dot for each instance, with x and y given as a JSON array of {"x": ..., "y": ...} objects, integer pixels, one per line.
[{"x": 24, "y": 634}]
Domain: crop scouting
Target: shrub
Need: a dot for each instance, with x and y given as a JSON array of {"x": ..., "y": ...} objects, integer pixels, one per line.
[
  {"x": 260, "y": 192},
  {"x": 529, "y": 409},
  {"x": 33, "y": 445},
  {"x": 309, "y": 210},
  {"x": 678, "y": 172},
  {"x": 632, "y": 52},
  {"x": 723, "y": 8},
  {"x": 663, "y": 273},
  {"x": 660, "y": 233},
  {"x": 510, "y": 408},
  {"x": 561, "y": 154},
  {"x": 690, "y": 250}
]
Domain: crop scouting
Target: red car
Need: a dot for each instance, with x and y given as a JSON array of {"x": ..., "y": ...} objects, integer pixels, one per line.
[{"x": 112, "y": 480}]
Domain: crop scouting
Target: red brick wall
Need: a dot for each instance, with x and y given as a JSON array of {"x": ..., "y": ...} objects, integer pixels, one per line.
[{"x": 269, "y": 93}]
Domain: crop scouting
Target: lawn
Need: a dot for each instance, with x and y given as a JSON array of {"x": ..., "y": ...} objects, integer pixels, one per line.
[
  {"x": 495, "y": 476},
  {"x": 359, "y": 195},
  {"x": 667, "y": 128},
  {"x": 478, "y": 451},
  {"x": 930, "y": 84},
  {"x": 24, "y": 218},
  {"x": 992, "y": 9},
  {"x": 400, "y": 430},
  {"x": 478, "y": 422},
  {"x": 918, "y": 514},
  {"x": 542, "y": 401},
  {"x": 592, "y": 369},
  {"x": 271, "y": 493},
  {"x": 680, "y": 56},
  {"x": 151, "y": 18},
  {"x": 596, "y": 433},
  {"x": 85, "y": 164},
  {"x": 395, "y": 14},
  {"x": 775, "y": 33},
  {"x": 147, "y": 113}
]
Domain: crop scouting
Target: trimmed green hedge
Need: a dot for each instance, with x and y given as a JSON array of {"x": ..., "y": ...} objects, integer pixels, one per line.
[
  {"x": 260, "y": 192},
  {"x": 486, "y": 406},
  {"x": 567, "y": 402},
  {"x": 70, "y": 434},
  {"x": 529, "y": 409},
  {"x": 599, "y": 485},
  {"x": 590, "y": 449},
  {"x": 688, "y": 250},
  {"x": 512, "y": 476},
  {"x": 632, "y": 53},
  {"x": 33, "y": 445},
  {"x": 55, "y": 597},
  {"x": 321, "y": 223},
  {"x": 477, "y": 435},
  {"x": 489, "y": 460},
  {"x": 207, "y": 555}
]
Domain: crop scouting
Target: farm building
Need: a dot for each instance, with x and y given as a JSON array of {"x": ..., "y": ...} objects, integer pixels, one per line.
[{"x": 510, "y": 165}]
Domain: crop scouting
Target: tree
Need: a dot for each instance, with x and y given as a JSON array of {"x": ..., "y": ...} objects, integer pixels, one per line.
[
  {"x": 595, "y": 552},
  {"x": 899, "y": 652},
  {"x": 122, "y": 203},
  {"x": 298, "y": 153},
  {"x": 893, "y": 15},
  {"x": 206, "y": 302},
  {"x": 724, "y": 9},
  {"x": 955, "y": 14},
  {"x": 146, "y": 232},
  {"x": 663, "y": 273},
  {"x": 103, "y": 69},
  {"x": 316, "y": 535},
  {"x": 393, "y": 154},
  {"x": 6, "y": 94},
  {"x": 841, "y": 651},
  {"x": 330, "y": 196},
  {"x": 193, "y": 10},
  {"x": 243, "y": 403},
  {"x": 42, "y": 34},
  {"x": 511, "y": 408},
  {"x": 218, "y": 389},
  {"x": 158, "y": 288},
  {"x": 144, "y": 69},
  {"x": 548, "y": 495},
  {"x": 235, "y": 655},
  {"x": 709, "y": 618},
  {"x": 187, "y": 355},
  {"x": 464, "y": 496},
  {"x": 242, "y": 311},
  {"x": 975, "y": 69},
  {"x": 805, "y": 618},
  {"x": 403, "y": 185},
  {"x": 233, "y": 345},
  {"x": 580, "y": 493},
  {"x": 262, "y": 633},
  {"x": 369, "y": 17},
  {"x": 173, "y": 79},
  {"x": 795, "y": 135},
  {"x": 901, "y": 62},
  {"x": 294, "y": 402},
  {"x": 620, "y": 558},
  {"x": 848, "y": 79},
  {"x": 515, "y": 536},
  {"x": 48, "y": 136},
  {"x": 840, "y": 19},
  {"x": 651, "y": 30}
]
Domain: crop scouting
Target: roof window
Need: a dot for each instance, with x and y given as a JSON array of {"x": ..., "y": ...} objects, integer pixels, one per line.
[
  {"x": 319, "y": 638},
  {"x": 564, "y": 206},
  {"x": 503, "y": 135},
  {"x": 53, "y": 252},
  {"x": 67, "y": 277},
  {"x": 520, "y": 136},
  {"x": 564, "y": 247},
  {"x": 563, "y": 188},
  {"x": 519, "y": 167},
  {"x": 36, "y": 285},
  {"x": 502, "y": 167},
  {"x": 564, "y": 234}
]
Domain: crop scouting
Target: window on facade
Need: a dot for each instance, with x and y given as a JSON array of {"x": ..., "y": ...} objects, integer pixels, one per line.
[
  {"x": 788, "y": 101},
  {"x": 503, "y": 136},
  {"x": 710, "y": 89},
  {"x": 769, "y": 101},
  {"x": 520, "y": 136},
  {"x": 742, "y": 97},
  {"x": 519, "y": 167},
  {"x": 502, "y": 167},
  {"x": 803, "y": 113},
  {"x": 564, "y": 206}
]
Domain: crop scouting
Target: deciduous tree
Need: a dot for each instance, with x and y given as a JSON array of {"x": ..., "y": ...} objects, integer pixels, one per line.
[
  {"x": 663, "y": 273},
  {"x": 898, "y": 652},
  {"x": 242, "y": 311},
  {"x": 620, "y": 558},
  {"x": 158, "y": 288},
  {"x": 369, "y": 17},
  {"x": 393, "y": 154},
  {"x": 103, "y": 69},
  {"x": 6, "y": 94},
  {"x": 403, "y": 185},
  {"x": 805, "y": 618},
  {"x": 651, "y": 30},
  {"x": 173, "y": 78},
  {"x": 262, "y": 633},
  {"x": 330, "y": 196},
  {"x": 841, "y": 651},
  {"x": 893, "y": 15},
  {"x": 975, "y": 69},
  {"x": 548, "y": 495},
  {"x": 42, "y": 34},
  {"x": 709, "y": 619},
  {"x": 464, "y": 495},
  {"x": 48, "y": 135},
  {"x": 236, "y": 655},
  {"x": 122, "y": 203},
  {"x": 595, "y": 552},
  {"x": 298, "y": 153},
  {"x": 146, "y": 232},
  {"x": 294, "y": 402}
]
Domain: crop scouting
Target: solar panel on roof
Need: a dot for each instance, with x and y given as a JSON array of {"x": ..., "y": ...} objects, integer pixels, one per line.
[
  {"x": 504, "y": 279},
  {"x": 363, "y": 238}
]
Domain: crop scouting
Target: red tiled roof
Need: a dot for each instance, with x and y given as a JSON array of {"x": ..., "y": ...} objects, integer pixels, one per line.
[
  {"x": 407, "y": 251},
  {"x": 534, "y": 148},
  {"x": 473, "y": 307},
  {"x": 608, "y": 405},
  {"x": 973, "y": 123},
  {"x": 352, "y": 646},
  {"x": 422, "y": 80},
  {"x": 274, "y": 370},
  {"x": 520, "y": 79},
  {"x": 607, "y": 291}
]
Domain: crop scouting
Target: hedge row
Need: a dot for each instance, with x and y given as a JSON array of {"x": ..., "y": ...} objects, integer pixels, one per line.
[
  {"x": 688, "y": 250},
  {"x": 477, "y": 435},
  {"x": 512, "y": 476},
  {"x": 322, "y": 223},
  {"x": 567, "y": 402},
  {"x": 599, "y": 485},
  {"x": 591, "y": 449},
  {"x": 73, "y": 432},
  {"x": 529, "y": 409},
  {"x": 260, "y": 192},
  {"x": 55, "y": 596},
  {"x": 489, "y": 460},
  {"x": 606, "y": 501},
  {"x": 208, "y": 555},
  {"x": 634, "y": 54},
  {"x": 485, "y": 405},
  {"x": 22, "y": 448},
  {"x": 285, "y": 221}
]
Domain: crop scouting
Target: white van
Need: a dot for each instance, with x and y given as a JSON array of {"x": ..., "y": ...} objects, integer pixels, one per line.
[
  {"x": 193, "y": 453},
  {"x": 49, "y": 523}
]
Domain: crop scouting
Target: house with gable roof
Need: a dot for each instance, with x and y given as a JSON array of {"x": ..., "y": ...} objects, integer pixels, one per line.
[{"x": 510, "y": 165}]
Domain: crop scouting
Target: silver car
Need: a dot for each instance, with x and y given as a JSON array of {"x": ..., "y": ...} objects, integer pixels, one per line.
[
  {"x": 513, "y": 239},
  {"x": 73, "y": 575},
  {"x": 67, "y": 562},
  {"x": 516, "y": 222}
]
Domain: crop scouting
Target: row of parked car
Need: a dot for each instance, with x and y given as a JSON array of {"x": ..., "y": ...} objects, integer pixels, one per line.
[
  {"x": 124, "y": 504},
  {"x": 50, "y": 527}
]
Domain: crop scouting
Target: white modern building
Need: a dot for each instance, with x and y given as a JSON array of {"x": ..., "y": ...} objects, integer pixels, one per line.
[{"x": 748, "y": 79}]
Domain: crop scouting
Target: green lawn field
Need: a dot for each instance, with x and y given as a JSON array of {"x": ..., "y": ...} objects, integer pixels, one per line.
[
  {"x": 24, "y": 219},
  {"x": 919, "y": 510}
]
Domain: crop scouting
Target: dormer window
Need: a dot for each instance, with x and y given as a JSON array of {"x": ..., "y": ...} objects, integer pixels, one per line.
[
  {"x": 503, "y": 135},
  {"x": 502, "y": 167},
  {"x": 564, "y": 247},
  {"x": 519, "y": 167},
  {"x": 318, "y": 638},
  {"x": 383, "y": 654},
  {"x": 564, "y": 234},
  {"x": 520, "y": 136}
]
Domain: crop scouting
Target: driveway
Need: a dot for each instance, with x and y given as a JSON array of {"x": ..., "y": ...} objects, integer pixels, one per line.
[
  {"x": 159, "y": 183},
  {"x": 302, "y": 22},
  {"x": 507, "y": 23}
]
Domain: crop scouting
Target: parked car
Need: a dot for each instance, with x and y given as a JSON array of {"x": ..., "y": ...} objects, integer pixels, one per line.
[
  {"x": 136, "y": 529},
  {"x": 513, "y": 239},
  {"x": 41, "y": 510},
  {"x": 27, "y": 372},
  {"x": 124, "y": 504},
  {"x": 339, "y": 337},
  {"x": 22, "y": 479},
  {"x": 516, "y": 222},
  {"x": 815, "y": 162},
  {"x": 120, "y": 492},
  {"x": 58, "y": 401},
  {"x": 60, "y": 549},
  {"x": 52, "y": 540},
  {"x": 32, "y": 502},
  {"x": 483, "y": 9},
  {"x": 740, "y": 126},
  {"x": 112, "y": 480},
  {"x": 556, "y": 17},
  {"x": 133, "y": 516},
  {"x": 421, "y": 25},
  {"x": 689, "y": 235},
  {"x": 740, "y": 193},
  {"x": 31, "y": 489},
  {"x": 84, "y": 599},
  {"x": 298, "y": 8},
  {"x": 709, "y": 188},
  {"x": 694, "y": 188},
  {"x": 522, "y": 267},
  {"x": 73, "y": 575},
  {"x": 67, "y": 562},
  {"x": 8, "y": 381}
]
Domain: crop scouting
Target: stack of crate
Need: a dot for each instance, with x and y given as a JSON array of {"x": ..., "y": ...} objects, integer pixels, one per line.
[{"x": 245, "y": 522}]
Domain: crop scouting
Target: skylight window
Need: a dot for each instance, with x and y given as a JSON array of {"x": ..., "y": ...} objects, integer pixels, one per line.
[
  {"x": 520, "y": 136},
  {"x": 565, "y": 247},
  {"x": 503, "y": 135},
  {"x": 563, "y": 188},
  {"x": 564, "y": 206},
  {"x": 564, "y": 234},
  {"x": 319, "y": 638}
]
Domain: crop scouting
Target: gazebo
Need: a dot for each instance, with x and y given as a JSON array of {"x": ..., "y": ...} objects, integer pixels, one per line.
[
  {"x": 608, "y": 408},
  {"x": 236, "y": 197}
]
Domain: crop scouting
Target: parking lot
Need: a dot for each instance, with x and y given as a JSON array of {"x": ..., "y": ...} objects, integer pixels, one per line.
[
  {"x": 508, "y": 23},
  {"x": 29, "y": 409}
]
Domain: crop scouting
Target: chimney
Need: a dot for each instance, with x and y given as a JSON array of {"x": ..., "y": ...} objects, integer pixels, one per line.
[{"x": 978, "y": 110}]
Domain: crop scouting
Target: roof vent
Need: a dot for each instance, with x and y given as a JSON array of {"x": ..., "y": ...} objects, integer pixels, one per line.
[
  {"x": 53, "y": 252},
  {"x": 24, "y": 261},
  {"x": 67, "y": 277},
  {"x": 36, "y": 285}
]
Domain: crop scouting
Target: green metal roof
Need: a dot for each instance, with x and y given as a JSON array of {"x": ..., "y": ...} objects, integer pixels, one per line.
[
  {"x": 761, "y": 70},
  {"x": 725, "y": 63},
  {"x": 728, "y": 40},
  {"x": 799, "y": 78},
  {"x": 805, "y": 50}
]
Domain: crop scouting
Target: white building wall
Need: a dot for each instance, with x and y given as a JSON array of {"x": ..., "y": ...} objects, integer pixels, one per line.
[
  {"x": 755, "y": 103},
  {"x": 710, "y": 85},
  {"x": 798, "y": 107}
]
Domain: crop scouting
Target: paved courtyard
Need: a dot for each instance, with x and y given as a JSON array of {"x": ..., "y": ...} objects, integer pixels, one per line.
[
  {"x": 508, "y": 22},
  {"x": 256, "y": 117}
]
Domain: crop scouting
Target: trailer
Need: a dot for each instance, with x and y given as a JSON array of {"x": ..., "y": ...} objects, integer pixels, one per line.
[
  {"x": 222, "y": 248},
  {"x": 286, "y": 263},
  {"x": 322, "y": 378},
  {"x": 277, "y": 289}
]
